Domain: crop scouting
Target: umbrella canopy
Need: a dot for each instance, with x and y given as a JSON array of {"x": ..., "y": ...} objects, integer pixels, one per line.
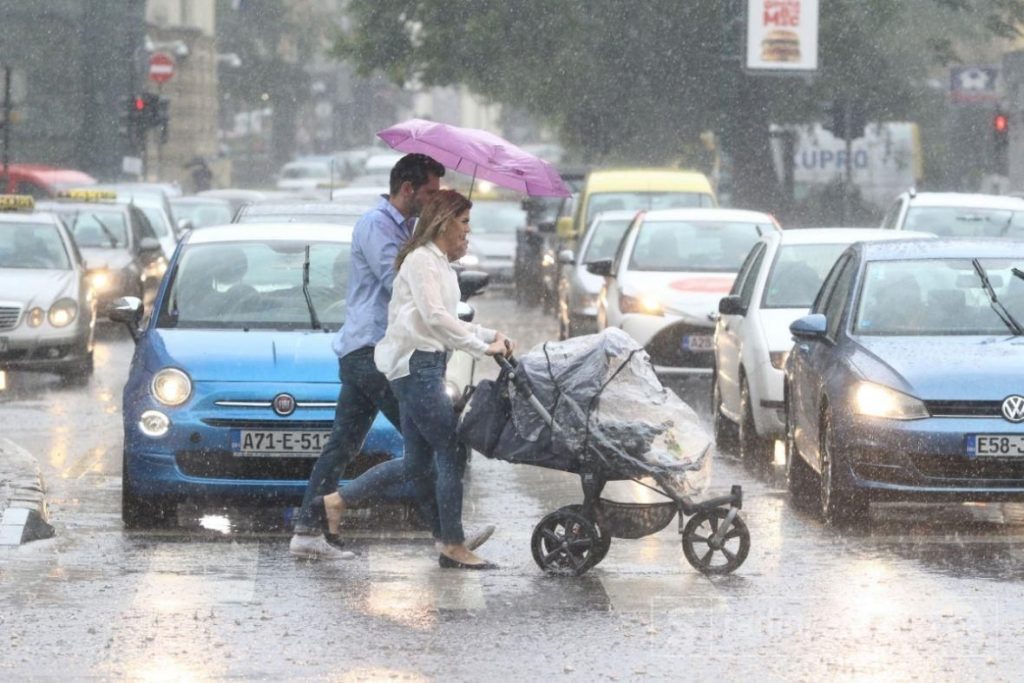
[{"x": 479, "y": 154}]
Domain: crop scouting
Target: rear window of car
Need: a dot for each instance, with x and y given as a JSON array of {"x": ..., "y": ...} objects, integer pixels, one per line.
[
  {"x": 32, "y": 246},
  {"x": 797, "y": 274},
  {"x": 257, "y": 285},
  {"x": 694, "y": 246},
  {"x": 949, "y": 221}
]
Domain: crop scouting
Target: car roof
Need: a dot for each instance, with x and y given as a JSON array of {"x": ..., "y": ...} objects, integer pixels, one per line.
[
  {"x": 845, "y": 235},
  {"x": 195, "y": 199},
  {"x": 300, "y": 207},
  {"x": 61, "y": 205},
  {"x": 270, "y": 232},
  {"x": 942, "y": 248},
  {"x": 966, "y": 200},
  {"x": 647, "y": 180},
  {"x": 709, "y": 214},
  {"x": 41, "y": 216}
]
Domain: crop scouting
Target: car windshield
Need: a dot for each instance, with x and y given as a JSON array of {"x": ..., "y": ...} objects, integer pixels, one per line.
[
  {"x": 32, "y": 245},
  {"x": 644, "y": 201},
  {"x": 204, "y": 215},
  {"x": 497, "y": 218},
  {"x": 948, "y": 221},
  {"x": 97, "y": 228},
  {"x": 694, "y": 246},
  {"x": 937, "y": 297},
  {"x": 605, "y": 240},
  {"x": 256, "y": 285},
  {"x": 797, "y": 274},
  {"x": 158, "y": 219}
]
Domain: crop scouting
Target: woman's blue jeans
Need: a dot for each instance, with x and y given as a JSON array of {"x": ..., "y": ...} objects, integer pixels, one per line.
[{"x": 432, "y": 460}]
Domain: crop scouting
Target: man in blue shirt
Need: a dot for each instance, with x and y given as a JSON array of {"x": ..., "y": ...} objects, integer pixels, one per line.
[{"x": 364, "y": 390}]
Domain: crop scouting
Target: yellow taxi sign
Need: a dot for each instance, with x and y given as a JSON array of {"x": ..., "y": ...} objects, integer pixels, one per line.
[
  {"x": 16, "y": 202},
  {"x": 88, "y": 195}
]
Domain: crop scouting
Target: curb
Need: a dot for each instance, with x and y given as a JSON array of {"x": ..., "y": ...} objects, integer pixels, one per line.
[{"x": 22, "y": 497}]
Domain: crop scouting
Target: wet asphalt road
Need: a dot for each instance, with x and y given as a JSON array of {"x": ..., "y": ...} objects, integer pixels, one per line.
[{"x": 924, "y": 593}]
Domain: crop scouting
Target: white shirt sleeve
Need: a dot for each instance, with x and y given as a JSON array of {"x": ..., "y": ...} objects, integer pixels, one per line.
[{"x": 424, "y": 277}]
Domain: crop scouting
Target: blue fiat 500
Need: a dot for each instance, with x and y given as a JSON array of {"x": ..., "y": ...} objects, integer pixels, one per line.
[
  {"x": 233, "y": 385},
  {"x": 907, "y": 379}
]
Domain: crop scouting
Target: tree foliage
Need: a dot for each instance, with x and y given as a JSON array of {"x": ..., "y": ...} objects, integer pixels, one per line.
[{"x": 639, "y": 81}]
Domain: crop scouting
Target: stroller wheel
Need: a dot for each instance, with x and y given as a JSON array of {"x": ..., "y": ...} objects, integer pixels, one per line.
[
  {"x": 605, "y": 542},
  {"x": 708, "y": 555},
  {"x": 565, "y": 542}
]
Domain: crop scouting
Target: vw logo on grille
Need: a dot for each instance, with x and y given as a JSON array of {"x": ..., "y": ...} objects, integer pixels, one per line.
[
  {"x": 284, "y": 404},
  {"x": 1013, "y": 408}
]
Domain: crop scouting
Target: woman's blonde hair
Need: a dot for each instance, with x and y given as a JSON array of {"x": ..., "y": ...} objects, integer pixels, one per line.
[{"x": 444, "y": 206}]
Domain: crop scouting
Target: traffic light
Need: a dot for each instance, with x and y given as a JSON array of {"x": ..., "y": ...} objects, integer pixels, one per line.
[
  {"x": 163, "y": 119},
  {"x": 129, "y": 123},
  {"x": 837, "y": 118},
  {"x": 1001, "y": 141},
  {"x": 139, "y": 113}
]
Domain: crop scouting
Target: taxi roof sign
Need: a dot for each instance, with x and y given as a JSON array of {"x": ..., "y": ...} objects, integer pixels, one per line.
[
  {"x": 88, "y": 195},
  {"x": 17, "y": 202}
]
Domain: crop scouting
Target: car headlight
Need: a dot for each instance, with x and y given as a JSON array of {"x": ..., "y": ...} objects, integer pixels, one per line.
[
  {"x": 644, "y": 303},
  {"x": 778, "y": 359},
  {"x": 101, "y": 280},
  {"x": 547, "y": 260},
  {"x": 875, "y": 400},
  {"x": 36, "y": 317},
  {"x": 171, "y": 386},
  {"x": 154, "y": 423},
  {"x": 63, "y": 312}
]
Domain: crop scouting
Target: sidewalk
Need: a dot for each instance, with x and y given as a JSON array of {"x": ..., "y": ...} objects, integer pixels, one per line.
[{"x": 22, "y": 497}]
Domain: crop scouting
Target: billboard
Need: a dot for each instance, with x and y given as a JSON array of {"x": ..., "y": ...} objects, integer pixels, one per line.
[{"x": 782, "y": 35}]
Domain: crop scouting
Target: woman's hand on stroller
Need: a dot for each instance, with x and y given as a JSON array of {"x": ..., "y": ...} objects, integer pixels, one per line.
[{"x": 501, "y": 345}]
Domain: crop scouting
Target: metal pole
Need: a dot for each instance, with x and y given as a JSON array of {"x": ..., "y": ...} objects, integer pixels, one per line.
[
  {"x": 7, "y": 124},
  {"x": 848, "y": 164}
]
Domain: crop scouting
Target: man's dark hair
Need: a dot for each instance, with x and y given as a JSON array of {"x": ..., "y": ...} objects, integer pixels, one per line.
[{"x": 415, "y": 168}]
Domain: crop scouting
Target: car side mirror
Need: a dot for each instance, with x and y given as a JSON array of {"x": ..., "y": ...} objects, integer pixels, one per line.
[
  {"x": 809, "y": 328},
  {"x": 149, "y": 244},
  {"x": 127, "y": 310},
  {"x": 471, "y": 282},
  {"x": 184, "y": 225},
  {"x": 566, "y": 257},
  {"x": 601, "y": 267},
  {"x": 731, "y": 305},
  {"x": 465, "y": 312}
]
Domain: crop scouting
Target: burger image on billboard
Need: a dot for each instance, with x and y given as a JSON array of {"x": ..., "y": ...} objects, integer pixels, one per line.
[{"x": 780, "y": 46}]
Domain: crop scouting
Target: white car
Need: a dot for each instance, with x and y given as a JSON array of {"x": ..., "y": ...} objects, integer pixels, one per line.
[
  {"x": 956, "y": 214},
  {"x": 668, "y": 274},
  {"x": 776, "y": 285},
  {"x": 307, "y": 175}
]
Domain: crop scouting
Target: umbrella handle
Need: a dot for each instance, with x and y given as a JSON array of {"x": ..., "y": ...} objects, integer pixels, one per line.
[{"x": 472, "y": 182}]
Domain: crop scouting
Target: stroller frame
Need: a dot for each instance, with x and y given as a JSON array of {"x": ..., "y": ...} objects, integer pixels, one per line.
[{"x": 575, "y": 538}]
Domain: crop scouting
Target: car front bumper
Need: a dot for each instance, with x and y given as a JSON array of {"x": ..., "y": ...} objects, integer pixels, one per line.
[
  {"x": 926, "y": 459},
  {"x": 44, "y": 349}
]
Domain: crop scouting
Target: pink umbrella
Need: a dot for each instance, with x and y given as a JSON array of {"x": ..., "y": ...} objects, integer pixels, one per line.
[{"x": 479, "y": 154}]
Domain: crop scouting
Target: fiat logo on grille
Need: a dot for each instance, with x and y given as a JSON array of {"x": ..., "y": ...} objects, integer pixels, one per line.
[
  {"x": 1013, "y": 408},
  {"x": 284, "y": 404}
]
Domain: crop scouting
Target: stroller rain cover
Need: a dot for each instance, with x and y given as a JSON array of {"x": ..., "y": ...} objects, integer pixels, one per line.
[{"x": 606, "y": 400}]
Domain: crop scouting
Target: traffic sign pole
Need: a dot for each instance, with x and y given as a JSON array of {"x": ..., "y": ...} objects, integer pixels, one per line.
[{"x": 7, "y": 124}]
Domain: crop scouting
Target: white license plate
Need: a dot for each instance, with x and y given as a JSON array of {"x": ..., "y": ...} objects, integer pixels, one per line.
[
  {"x": 698, "y": 342},
  {"x": 278, "y": 443},
  {"x": 998, "y": 445}
]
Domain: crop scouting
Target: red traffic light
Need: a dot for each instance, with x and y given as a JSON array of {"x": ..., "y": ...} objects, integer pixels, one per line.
[
  {"x": 1001, "y": 123},
  {"x": 140, "y": 104}
]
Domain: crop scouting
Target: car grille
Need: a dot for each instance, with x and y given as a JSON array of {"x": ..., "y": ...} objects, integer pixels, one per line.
[
  {"x": 39, "y": 353},
  {"x": 223, "y": 464},
  {"x": 269, "y": 424},
  {"x": 9, "y": 316},
  {"x": 965, "y": 408},
  {"x": 666, "y": 348},
  {"x": 971, "y": 471}
]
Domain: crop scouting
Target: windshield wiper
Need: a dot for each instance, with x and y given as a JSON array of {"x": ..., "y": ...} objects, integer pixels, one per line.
[
  {"x": 1018, "y": 272},
  {"x": 1000, "y": 310},
  {"x": 313, "y": 320},
  {"x": 106, "y": 231}
]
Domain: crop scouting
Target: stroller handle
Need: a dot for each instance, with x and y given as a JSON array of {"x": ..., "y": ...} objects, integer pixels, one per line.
[{"x": 509, "y": 365}]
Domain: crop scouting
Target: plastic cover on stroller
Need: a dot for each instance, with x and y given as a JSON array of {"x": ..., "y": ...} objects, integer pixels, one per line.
[{"x": 607, "y": 405}]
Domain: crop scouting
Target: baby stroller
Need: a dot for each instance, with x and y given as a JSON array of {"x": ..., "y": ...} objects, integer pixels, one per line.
[{"x": 593, "y": 406}]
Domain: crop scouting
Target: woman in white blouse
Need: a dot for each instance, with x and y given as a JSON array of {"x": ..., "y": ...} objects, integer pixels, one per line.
[{"x": 422, "y": 328}]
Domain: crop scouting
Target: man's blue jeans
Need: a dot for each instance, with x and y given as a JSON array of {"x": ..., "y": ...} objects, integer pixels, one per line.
[
  {"x": 433, "y": 462},
  {"x": 364, "y": 392}
]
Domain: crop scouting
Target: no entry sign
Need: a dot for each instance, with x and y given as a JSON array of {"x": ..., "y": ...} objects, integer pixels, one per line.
[{"x": 161, "y": 67}]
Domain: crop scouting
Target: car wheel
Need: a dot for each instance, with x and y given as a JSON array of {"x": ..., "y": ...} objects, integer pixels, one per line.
[
  {"x": 839, "y": 507},
  {"x": 726, "y": 437},
  {"x": 754, "y": 448},
  {"x": 137, "y": 512},
  {"x": 800, "y": 479}
]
